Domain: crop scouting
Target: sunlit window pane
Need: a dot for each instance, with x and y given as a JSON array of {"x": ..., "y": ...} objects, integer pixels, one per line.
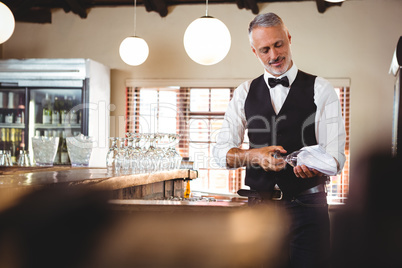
[
  {"x": 199, "y": 153},
  {"x": 219, "y": 181},
  {"x": 198, "y": 130},
  {"x": 216, "y": 125},
  {"x": 148, "y": 105},
  {"x": 202, "y": 182},
  {"x": 167, "y": 112},
  {"x": 199, "y": 100},
  {"x": 219, "y": 99}
]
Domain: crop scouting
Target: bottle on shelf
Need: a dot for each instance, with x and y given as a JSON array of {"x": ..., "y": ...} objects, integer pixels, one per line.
[
  {"x": 9, "y": 118},
  {"x": 21, "y": 101},
  {"x": 65, "y": 110},
  {"x": 64, "y": 158},
  {"x": 47, "y": 110},
  {"x": 13, "y": 146},
  {"x": 21, "y": 139},
  {"x": 74, "y": 111},
  {"x": 20, "y": 113},
  {"x": 20, "y": 118},
  {"x": 3, "y": 139},
  {"x": 56, "y": 111},
  {"x": 10, "y": 104},
  {"x": 7, "y": 139}
]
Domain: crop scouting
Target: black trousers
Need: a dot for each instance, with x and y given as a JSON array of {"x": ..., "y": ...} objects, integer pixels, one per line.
[{"x": 308, "y": 244}]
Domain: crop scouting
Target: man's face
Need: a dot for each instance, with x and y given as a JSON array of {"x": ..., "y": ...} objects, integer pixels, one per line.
[{"x": 271, "y": 45}]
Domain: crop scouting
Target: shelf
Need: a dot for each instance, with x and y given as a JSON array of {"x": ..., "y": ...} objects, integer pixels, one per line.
[
  {"x": 58, "y": 126},
  {"x": 15, "y": 108},
  {"x": 12, "y": 125}
]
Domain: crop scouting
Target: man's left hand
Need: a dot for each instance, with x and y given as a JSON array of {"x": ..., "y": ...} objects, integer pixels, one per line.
[{"x": 305, "y": 172}]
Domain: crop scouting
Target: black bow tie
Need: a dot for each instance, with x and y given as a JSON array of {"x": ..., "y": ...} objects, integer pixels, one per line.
[{"x": 284, "y": 81}]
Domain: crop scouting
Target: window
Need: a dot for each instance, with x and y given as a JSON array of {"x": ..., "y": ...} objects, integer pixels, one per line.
[
  {"x": 338, "y": 187},
  {"x": 196, "y": 113}
]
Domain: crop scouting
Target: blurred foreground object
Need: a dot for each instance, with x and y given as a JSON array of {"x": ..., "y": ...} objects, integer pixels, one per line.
[
  {"x": 65, "y": 227},
  {"x": 367, "y": 231}
]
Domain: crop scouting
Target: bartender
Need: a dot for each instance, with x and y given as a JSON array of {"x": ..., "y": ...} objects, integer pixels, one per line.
[{"x": 284, "y": 110}]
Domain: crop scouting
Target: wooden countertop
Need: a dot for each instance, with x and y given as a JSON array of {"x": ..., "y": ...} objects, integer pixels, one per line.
[
  {"x": 18, "y": 181},
  {"x": 95, "y": 177}
]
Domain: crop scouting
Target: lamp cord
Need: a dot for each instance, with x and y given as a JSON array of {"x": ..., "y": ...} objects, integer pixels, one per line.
[
  {"x": 135, "y": 17},
  {"x": 206, "y": 9}
]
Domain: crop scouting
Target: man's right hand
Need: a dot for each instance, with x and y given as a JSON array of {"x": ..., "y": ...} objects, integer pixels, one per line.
[{"x": 264, "y": 157}]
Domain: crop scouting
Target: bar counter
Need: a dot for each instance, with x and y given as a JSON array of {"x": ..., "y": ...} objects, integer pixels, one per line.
[
  {"x": 18, "y": 181},
  {"x": 133, "y": 225}
]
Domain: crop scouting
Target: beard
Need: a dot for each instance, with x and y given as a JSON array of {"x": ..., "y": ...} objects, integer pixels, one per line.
[{"x": 277, "y": 71}]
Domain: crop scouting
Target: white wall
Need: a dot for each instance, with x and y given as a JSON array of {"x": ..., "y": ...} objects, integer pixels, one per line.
[{"x": 355, "y": 41}]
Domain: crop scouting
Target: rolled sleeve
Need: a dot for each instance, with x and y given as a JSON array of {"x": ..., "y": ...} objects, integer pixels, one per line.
[
  {"x": 330, "y": 126},
  {"x": 231, "y": 134}
]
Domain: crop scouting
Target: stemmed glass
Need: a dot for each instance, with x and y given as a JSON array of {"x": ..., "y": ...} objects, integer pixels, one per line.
[
  {"x": 151, "y": 154},
  {"x": 120, "y": 156},
  {"x": 111, "y": 156},
  {"x": 127, "y": 152},
  {"x": 5, "y": 158},
  {"x": 291, "y": 158},
  {"x": 137, "y": 156}
]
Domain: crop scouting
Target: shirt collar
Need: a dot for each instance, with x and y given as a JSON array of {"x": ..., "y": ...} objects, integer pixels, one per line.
[{"x": 291, "y": 74}]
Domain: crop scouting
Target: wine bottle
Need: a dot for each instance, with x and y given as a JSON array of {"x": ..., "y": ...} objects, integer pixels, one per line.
[
  {"x": 65, "y": 112},
  {"x": 56, "y": 111},
  {"x": 47, "y": 110},
  {"x": 65, "y": 160},
  {"x": 13, "y": 146},
  {"x": 74, "y": 112},
  {"x": 19, "y": 118},
  {"x": 9, "y": 118},
  {"x": 3, "y": 139}
]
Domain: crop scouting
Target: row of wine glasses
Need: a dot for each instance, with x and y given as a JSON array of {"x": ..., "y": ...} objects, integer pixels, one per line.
[
  {"x": 143, "y": 153},
  {"x": 23, "y": 159}
]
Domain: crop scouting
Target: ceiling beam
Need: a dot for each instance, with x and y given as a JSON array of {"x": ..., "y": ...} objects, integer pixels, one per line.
[
  {"x": 78, "y": 7},
  {"x": 40, "y": 10},
  {"x": 159, "y": 6},
  {"x": 248, "y": 4}
]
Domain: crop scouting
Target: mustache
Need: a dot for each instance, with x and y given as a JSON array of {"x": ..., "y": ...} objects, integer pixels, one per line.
[{"x": 279, "y": 58}]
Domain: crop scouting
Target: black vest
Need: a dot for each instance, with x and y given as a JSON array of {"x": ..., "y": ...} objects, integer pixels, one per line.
[{"x": 292, "y": 128}]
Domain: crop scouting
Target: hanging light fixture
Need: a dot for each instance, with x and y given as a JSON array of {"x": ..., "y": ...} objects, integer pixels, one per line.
[
  {"x": 207, "y": 40},
  {"x": 133, "y": 49},
  {"x": 7, "y": 23}
]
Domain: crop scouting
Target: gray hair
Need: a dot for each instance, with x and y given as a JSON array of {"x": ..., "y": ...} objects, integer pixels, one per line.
[{"x": 265, "y": 20}]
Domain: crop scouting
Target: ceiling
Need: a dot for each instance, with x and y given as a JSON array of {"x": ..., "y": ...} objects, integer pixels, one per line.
[{"x": 40, "y": 11}]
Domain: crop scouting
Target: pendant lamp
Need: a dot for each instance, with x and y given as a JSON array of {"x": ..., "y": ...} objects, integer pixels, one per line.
[
  {"x": 7, "y": 23},
  {"x": 133, "y": 49},
  {"x": 207, "y": 40}
]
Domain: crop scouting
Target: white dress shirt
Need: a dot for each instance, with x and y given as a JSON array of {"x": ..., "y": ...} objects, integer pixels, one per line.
[{"x": 329, "y": 124}]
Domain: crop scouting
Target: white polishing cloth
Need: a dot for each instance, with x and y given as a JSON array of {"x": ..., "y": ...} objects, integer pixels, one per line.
[{"x": 315, "y": 157}]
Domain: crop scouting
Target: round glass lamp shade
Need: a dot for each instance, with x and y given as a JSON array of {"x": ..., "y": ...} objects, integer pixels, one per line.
[
  {"x": 207, "y": 40},
  {"x": 7, "y": 23},
  {"x": 134, "y": 50}
]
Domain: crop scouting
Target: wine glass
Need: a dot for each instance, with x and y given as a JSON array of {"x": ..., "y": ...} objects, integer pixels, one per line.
[
  {"x": 152, "y": 154},
  {"x": 175, "y": 156},
  {"x": 111, "y": 156},
  {"x": 291, "y": 158},
  {"x": 137, "y": 156}
]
